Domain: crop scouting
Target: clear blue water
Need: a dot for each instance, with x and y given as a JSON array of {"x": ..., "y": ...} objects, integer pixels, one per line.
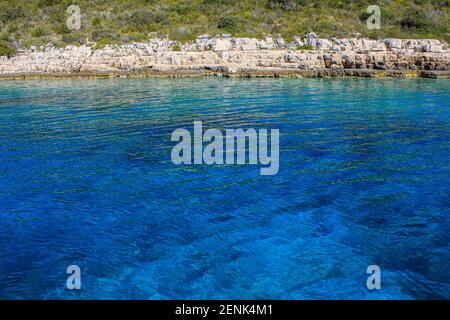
[{"x": 86, "y": 179}]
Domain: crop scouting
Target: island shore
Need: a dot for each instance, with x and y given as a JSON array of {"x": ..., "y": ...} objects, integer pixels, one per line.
[
  {"x": 240, "y": 57},
  {"x": 247, "y": 73}
]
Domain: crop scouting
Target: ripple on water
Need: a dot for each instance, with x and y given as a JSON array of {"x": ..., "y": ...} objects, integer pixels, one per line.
[{"x": 86, "y": 179}]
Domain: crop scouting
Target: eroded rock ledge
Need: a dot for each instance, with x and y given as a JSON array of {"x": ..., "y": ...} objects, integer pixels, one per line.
[{"x": 229, "y": 56}]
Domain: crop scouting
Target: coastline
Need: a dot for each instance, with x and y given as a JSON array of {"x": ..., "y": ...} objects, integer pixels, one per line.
[
  {"x": 207, "y": 71},
  {"x": 236, "y": 57}
]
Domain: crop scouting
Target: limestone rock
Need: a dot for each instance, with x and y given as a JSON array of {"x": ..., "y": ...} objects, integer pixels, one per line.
[
  {"x": 233, "y": 54},
  {"x": 311, "y": 39},
  {"x": 279, "y": 41},
  {"x": 221, "y": 45}
]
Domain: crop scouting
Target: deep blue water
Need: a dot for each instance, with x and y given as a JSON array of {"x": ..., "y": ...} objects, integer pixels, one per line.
[{"x": 86, "y": 178}]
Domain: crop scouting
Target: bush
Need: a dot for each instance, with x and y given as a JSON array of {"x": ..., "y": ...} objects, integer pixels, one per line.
[
  {"x": 136, "y": 36},
  {"x": 176, "y": 48},
  {"x": 141, "y": 19},
  {"x": 11, "y": 13},
  {"x": 102, "y": 43},
  {"x": 181, "y": 9},
  {"x": 388, "y": 16},
  {"x": 6, "y": 49},
  {"x": 96, "y": 21},
  {"x": 229, "y": 23},
  {"x": 415, "y": 19},
  {"x": 305, "y": 47},
  {"x": 364, "y": 16},
  {"x": 61, "y": 28},
  {"x": 4, "y": 36},
  {"x": 38, "y": 32}
]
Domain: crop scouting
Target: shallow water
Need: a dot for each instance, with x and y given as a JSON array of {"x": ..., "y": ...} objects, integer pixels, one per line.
[{"x": 86, "y": 178}]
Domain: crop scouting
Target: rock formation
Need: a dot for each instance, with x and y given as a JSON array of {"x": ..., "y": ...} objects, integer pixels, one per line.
[{"x": 227, "y": 55}]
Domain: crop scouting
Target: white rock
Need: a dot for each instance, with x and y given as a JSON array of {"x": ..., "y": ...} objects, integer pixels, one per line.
[
  {"x": 279, "y": 41},
  {"x": 394, "y": 44},
  {"x": 221, "y": 45}
]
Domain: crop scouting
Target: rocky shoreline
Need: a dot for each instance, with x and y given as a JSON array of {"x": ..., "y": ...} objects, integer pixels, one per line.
[{"x": 228, "y": 56}]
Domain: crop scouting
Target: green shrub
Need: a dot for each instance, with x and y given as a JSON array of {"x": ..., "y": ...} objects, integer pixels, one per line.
[
  {"x": 137, "y": 36},
  {"x": 182, "y": 34},
  {"x": 11, "y": 13},
  {"x": 6, "y": 49},
  {"x": 176, "y": 48},
  {"x": 96, "y": 21},
  {"x": 38, "y": 32},
  {"x": 13, "y": 27},
  {"x": 305, "y": 47},
  {"x": 57, "y": 15},
  {"x": 182, "y": 8},
  {"x": 415, "y": 19},
  {"x": 364, "y": 16},
  {"x": 230, "y": 23},
  {"x": 4, "y": 36},
  {"x": 61, "y": 28},
  {"x": 141, "y": 19},
  {"x": 102, "y": 43},
  {"x": 388, "y": 17},
  {"x": 27, "y": 43}
]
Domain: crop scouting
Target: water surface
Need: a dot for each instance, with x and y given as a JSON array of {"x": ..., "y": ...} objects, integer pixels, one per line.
[{"x": 86, "y": 179}]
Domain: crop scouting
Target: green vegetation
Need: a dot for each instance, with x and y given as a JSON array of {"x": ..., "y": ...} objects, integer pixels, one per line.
[
  {"x": 176, "y": 48},
  {"x": 305, "y": 47},
  {"x": 231, "y": 24},
  {"x": 37, "y": 22},
  {"x": 6, "y": 49},
  {"x": 100, "y": 44}
]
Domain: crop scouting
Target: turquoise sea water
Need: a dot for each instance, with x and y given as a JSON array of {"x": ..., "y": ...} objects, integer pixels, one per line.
[{"x": 86, "y": 178}]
